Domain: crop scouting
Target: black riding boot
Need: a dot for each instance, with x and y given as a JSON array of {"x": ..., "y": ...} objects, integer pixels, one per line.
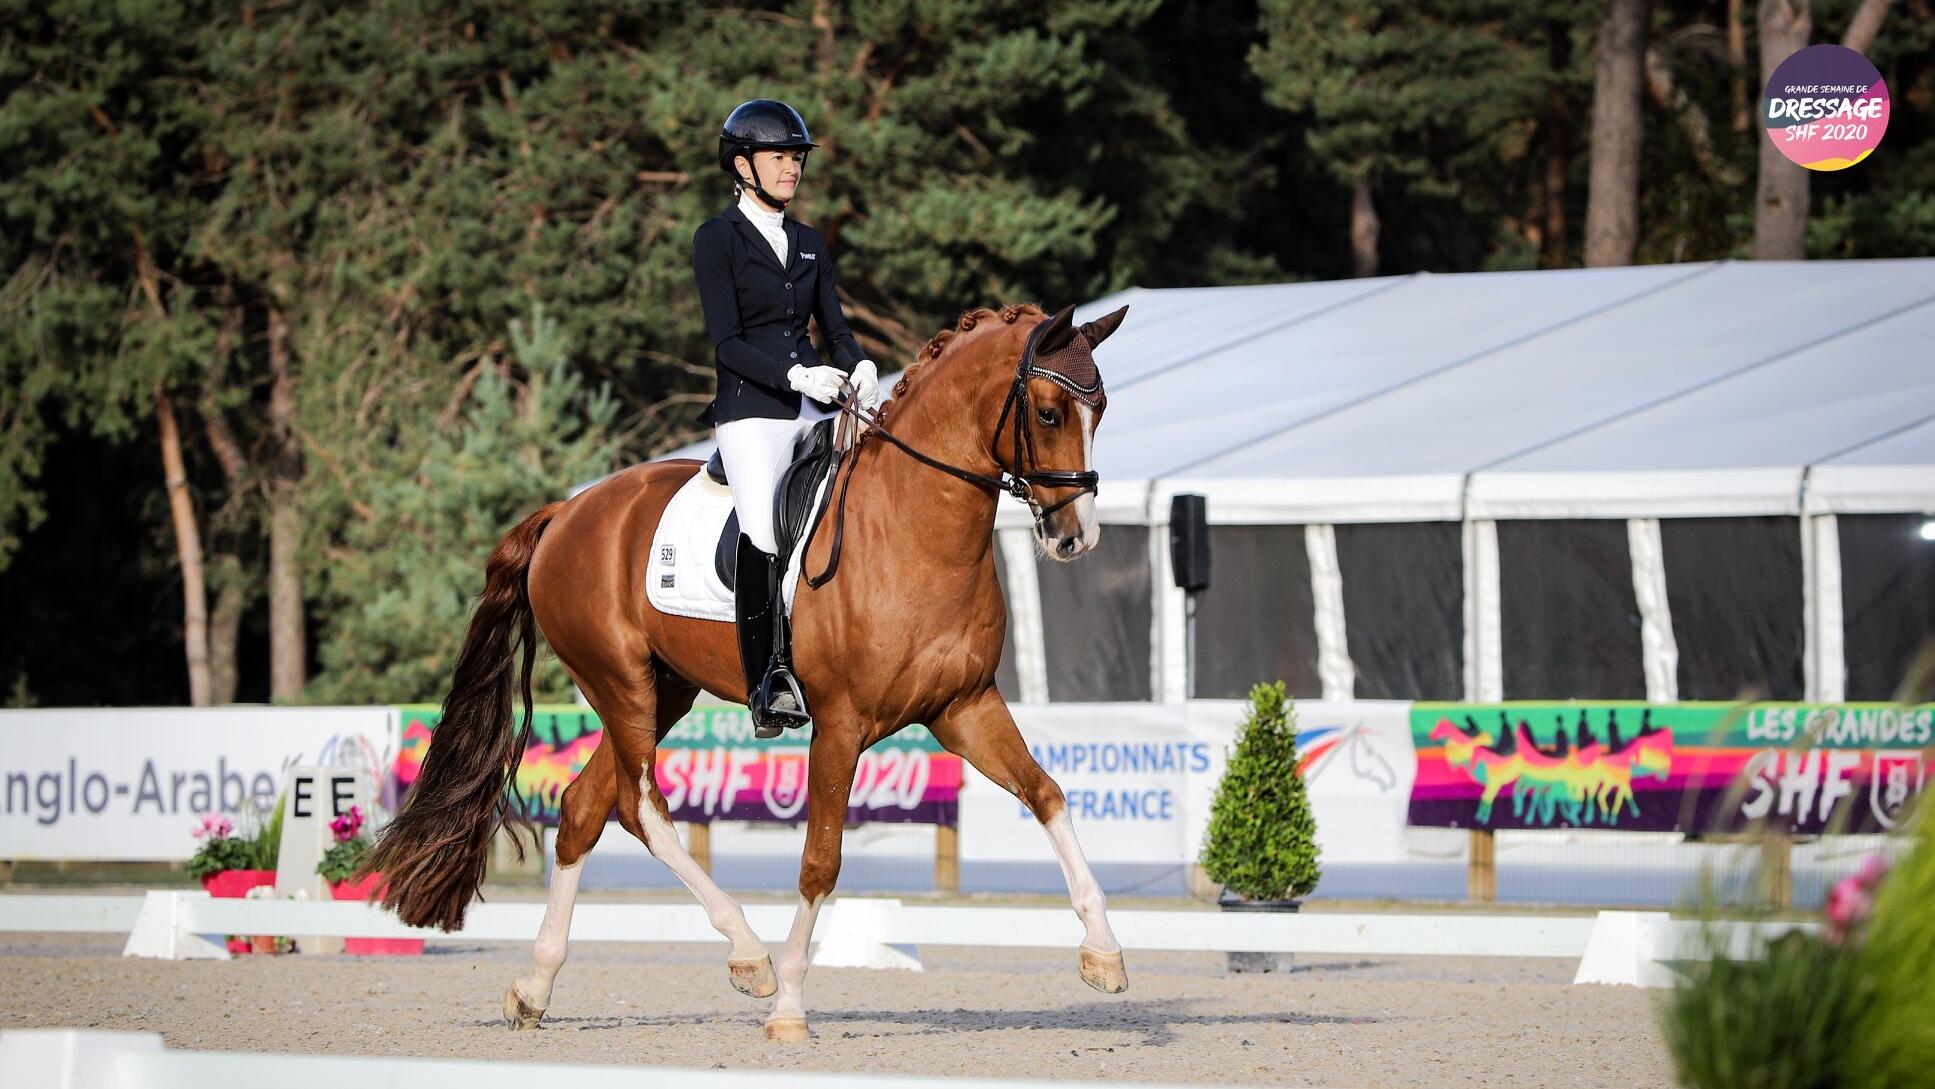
[{"x": 772, "y": 694}]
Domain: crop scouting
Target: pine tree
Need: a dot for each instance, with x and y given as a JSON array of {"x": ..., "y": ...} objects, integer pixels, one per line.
[
  {"x": 1262, "y": 838},
  {"x": 399, "y": 587}
]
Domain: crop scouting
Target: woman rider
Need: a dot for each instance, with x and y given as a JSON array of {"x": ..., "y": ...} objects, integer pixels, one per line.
[{"x": 761, "y": 276}]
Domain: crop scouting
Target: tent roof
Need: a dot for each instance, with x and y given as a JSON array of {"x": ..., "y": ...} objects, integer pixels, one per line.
[{"x": 1712, "y": 388}]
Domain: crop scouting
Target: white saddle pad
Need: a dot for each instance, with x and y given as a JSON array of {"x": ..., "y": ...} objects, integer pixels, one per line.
[{"x": 683, "y": 581}]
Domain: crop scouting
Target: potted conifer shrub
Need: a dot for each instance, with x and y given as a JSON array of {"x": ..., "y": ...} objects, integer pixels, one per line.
[{"x": 1261, "y": 844}]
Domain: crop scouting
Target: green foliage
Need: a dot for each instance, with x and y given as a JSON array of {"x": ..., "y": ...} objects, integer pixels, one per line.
[
  {"x": 266, "y": 840},
  {"x": 399, "y": 180},
  {"x": 219, "y": 854},
  {"x": 340, "y": 861},
  {"x": 1782, "y": 1020},
  {"x": 1262, "y": 838},
  {"x": 1844, "y": 1006},
  {"x": 400, "y": 590},
  {"x": 1893, "y": 1041}
]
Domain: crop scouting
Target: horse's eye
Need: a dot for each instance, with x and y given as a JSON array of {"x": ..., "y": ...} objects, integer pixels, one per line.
[{"x": 1049, "y": 417}]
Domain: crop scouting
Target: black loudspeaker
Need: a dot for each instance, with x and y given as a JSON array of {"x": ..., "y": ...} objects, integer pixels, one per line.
[{"x": 1189, "y": 541}]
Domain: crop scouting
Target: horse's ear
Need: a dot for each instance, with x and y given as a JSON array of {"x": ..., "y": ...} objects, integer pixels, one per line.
[
  {"x": 1057, "y": 331},
  {"x": 1097, "y": 331}
]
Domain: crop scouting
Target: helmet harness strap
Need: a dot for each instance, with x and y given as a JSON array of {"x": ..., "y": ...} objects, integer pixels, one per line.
[{"x": 752, "y": 165}]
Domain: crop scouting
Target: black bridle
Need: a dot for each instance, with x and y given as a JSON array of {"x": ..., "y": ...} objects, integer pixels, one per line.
[{"x": 1019, "y": 483}]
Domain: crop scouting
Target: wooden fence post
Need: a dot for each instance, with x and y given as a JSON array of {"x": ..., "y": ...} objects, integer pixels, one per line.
[
  {"x": 1481, "y": 875},
  {"x": 947, "y": 859},
  {"x": 1777, "y": 869},
  {"x": 699, "y": 844}
]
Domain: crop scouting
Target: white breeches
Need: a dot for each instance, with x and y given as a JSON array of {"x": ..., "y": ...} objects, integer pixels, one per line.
[{"x": 754, "y": 452}]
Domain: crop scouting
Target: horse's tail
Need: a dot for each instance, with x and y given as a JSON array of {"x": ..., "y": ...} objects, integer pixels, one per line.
[{"x": 432, "y": 854}]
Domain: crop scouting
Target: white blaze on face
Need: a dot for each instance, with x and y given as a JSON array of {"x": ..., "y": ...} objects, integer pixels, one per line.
[{"x": 1085, "y": 506}]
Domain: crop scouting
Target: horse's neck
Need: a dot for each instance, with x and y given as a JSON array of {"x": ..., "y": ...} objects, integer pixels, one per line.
[{"x": 930, "y": 513}]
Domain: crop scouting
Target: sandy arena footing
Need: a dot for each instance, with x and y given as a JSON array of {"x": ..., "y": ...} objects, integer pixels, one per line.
[{"x": 1383, "y": 1022}]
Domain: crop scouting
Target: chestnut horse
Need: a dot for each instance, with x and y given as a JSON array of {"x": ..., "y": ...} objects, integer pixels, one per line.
[{"x": 912, "y": 634}]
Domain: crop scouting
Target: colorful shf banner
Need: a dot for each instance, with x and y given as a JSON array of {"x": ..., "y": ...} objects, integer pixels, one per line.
[
  {"x": 1687, "y": 767},
  {"x": 710, "y": 767}
]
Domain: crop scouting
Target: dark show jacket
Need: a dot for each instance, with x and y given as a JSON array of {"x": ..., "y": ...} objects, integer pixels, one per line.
[{"x": 756, "y": 314}]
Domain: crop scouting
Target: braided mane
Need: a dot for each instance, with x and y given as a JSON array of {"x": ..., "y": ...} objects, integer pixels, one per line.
[
  {"x": 932, "y": 350},
  {"x": 969, "y": 319}
]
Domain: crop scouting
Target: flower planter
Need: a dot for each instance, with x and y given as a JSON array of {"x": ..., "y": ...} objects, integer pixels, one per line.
[
  {"x": 235, "y": 885},
  {"x": 372, "y": 947},
  {"x": 1258, "y": 962}
]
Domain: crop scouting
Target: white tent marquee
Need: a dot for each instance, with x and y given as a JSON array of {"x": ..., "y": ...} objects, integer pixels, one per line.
[{"x": 1668, "y": 481}]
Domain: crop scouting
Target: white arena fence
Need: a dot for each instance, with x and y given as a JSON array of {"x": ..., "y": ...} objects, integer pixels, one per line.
[
  {"x": 1618, "y": 947},
  {"x": 94, "y": 1059}
]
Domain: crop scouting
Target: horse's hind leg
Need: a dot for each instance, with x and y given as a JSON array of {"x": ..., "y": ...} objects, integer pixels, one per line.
[
  {"x": 631, "y": 716},
  {"x": 581, "y": 819},
  {"x": 983, "y": 733}
]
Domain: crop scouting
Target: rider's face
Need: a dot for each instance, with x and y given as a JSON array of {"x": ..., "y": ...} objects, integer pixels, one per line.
[{"x": 779, "y": 171}]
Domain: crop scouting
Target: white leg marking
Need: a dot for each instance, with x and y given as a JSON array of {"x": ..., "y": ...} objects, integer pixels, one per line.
[
  {"x": 790, "y": 1002},
  {"x": 724, "y": 912},
  {"x": 553, "y": 935},
  {"x": 1083, "y": 890}
]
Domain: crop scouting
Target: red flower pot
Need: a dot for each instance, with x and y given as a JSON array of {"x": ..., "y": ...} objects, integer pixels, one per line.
[
  {"x": 372, "y": 947},
  {"x": 235, "y": 885}
]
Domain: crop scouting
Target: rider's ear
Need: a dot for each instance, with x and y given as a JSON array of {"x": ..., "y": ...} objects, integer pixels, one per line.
[
  {"x": 1097, "y": 331},
  {"x": 1057, "y": 331}
]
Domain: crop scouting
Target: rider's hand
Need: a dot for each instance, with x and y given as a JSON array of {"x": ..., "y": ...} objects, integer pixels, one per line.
[
  {"x": 866, "y": 385},
  {"x": 819, "y": 383}
]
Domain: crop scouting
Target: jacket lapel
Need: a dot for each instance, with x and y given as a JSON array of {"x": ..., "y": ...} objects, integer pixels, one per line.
[
  {"x": 795, "y": 259},
  {"x": 757, "y": 240}
]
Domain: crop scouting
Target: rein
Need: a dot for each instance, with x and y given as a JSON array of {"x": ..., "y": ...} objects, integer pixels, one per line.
[{"x": 1019, "y": 484}]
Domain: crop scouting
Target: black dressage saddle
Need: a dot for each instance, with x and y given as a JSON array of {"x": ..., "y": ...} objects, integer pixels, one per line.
[{"x": 793, "y": 513}]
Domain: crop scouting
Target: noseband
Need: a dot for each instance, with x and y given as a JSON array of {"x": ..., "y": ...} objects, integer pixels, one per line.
[{"x": 1070, "y": 368}]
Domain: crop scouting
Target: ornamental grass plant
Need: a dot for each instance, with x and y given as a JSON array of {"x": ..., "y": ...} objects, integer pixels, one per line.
[
  {"x": 1261, "y": 842},
  {"x": 1843, "y": 1005},
  {"x": 1893, "y": 1040}
]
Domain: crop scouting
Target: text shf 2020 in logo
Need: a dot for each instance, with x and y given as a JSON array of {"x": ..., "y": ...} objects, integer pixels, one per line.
[{"x": 1825, "y": 107}]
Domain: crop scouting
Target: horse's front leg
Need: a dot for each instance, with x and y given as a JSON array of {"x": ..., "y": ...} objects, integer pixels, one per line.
[
  {"x": 829, "y": 780},
  {"x": 982, "y": 732}
]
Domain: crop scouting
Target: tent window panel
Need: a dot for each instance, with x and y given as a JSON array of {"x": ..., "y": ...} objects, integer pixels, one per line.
[
  {"x": 1095, "y": 615},
  {"x": 1734, "y": 588},
  {"x": 1571, "y": 623},
  {"x": 1404, "y": 602},
  {"x": 1887, "y": 600},
  {"x": 1256, "y": 623},
  {"x": 1007, "y": 675}
]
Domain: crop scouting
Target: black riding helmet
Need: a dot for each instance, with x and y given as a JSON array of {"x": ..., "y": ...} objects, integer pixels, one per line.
[{"x": 764, "y": 124}]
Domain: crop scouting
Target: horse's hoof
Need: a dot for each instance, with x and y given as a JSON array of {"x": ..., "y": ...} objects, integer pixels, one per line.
[
  {"x": 754, "y": 976},
  {"x": 519, "y": 1014},
  {"x": 788, "y": 1030},
  {"x": 1104, "y": 971}
]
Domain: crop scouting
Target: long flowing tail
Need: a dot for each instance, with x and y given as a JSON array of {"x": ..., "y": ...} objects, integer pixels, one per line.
[{"x": 432, "y": 854}]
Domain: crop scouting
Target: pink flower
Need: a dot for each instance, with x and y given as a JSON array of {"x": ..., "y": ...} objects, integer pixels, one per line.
[
  {"x": 345, "y": 827},
  {"x": 213, "y": 826},
  {"x": 1852, "y": 899}
]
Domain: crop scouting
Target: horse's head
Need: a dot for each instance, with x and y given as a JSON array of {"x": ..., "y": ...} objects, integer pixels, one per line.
[
  {"x": 1046, "y": 434},
  {"x": 1460, "y": 746},
  {"x": 1030, "y": 379}
]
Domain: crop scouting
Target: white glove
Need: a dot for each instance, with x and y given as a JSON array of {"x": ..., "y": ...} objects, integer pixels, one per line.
[
  {"x": 866, "y": 385},
  {"x": 819, "y": 383}
]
